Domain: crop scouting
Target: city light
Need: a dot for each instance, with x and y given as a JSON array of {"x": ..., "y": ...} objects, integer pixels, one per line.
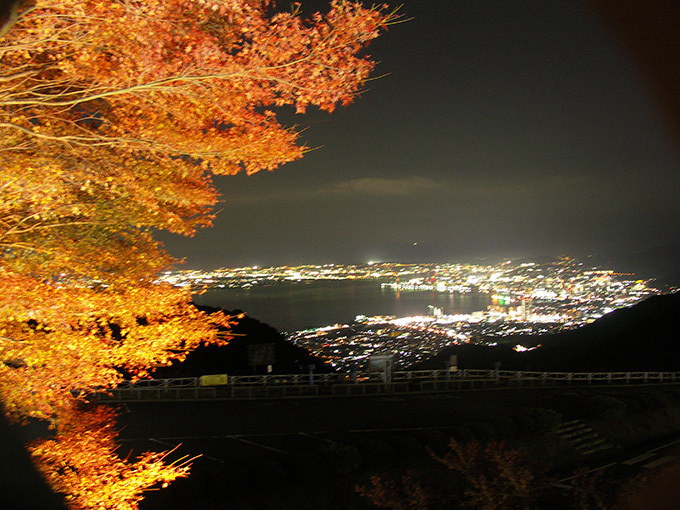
[{"x": 526, "y": 298}]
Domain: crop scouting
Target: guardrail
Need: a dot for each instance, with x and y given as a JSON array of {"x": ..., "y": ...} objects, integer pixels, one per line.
[{"x": 363, "y": 383}]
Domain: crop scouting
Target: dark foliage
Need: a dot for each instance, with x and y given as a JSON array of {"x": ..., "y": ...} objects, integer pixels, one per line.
[
  {"x": 644, "y": 337},
  {"x": 234, "y": 358}
]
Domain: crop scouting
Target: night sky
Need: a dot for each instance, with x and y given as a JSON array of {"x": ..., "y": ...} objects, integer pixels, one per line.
[{"x": 503, "y": 128}]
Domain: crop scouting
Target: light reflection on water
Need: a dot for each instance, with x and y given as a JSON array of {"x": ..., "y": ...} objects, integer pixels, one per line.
[{"x": 295, "y": 306}]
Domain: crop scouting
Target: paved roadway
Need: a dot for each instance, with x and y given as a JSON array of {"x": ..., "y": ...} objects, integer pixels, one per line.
[
  {"x": 307, "y": 415},
  {"x": 226, "y": 431},
  {"x": 218, "y": 428}
]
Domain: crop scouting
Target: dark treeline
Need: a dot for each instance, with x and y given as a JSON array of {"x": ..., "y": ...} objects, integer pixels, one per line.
[
  {"x": 236, "y": 357},
  {"x": 644, "y": 337}
]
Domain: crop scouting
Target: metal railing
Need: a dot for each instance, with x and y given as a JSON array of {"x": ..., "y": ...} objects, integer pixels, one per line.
[{"x": 362, "y": 383}]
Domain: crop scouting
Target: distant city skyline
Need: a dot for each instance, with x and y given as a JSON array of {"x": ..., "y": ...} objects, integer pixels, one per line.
[
  {"x": 564, "y": 293},
  {"x": 502, "y": 129}
]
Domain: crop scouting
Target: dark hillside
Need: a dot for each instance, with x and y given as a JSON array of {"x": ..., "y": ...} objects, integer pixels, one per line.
[
  {"x": 644, "y": 337},
  {"x": 234, "y": 358}
]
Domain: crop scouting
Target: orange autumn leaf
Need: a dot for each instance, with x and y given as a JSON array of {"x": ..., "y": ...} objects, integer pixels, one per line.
[
  {"x": 81, "y": 462},
  {"x": 114, "y": 117}
]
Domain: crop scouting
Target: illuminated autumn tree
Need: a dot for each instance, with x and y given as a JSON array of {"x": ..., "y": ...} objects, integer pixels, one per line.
[
  {"x": 81, "y": 461},
  {"x": 487, "y": 476},
  {"x": 114, "y": 114},
  {"x": 407, "y": 493},
  {"x": 495, "y": 477}
]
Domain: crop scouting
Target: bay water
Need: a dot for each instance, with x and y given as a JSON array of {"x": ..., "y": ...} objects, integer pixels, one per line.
[{"x": 294, "y": 306}]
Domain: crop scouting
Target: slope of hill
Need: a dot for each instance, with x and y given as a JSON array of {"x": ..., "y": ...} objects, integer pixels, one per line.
[
  {"x": 236, "y": 357},
  {"x": 644, "y": 337}
]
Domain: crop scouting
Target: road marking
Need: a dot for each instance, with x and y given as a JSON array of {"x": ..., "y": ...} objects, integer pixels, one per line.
[
  {"x": 665, "y": 445},
  {"x": 405, "y": 429},
  {"x": 639, "y": 458},
  {"x": 260, "y": 445},
  {"x": 315, "y": 436},
  {"x": 234, "y": 437},
  {"x": 662, "y": 460},
  {"x": 600, "y": 468},
  {"x": 159, "y": 441}
]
